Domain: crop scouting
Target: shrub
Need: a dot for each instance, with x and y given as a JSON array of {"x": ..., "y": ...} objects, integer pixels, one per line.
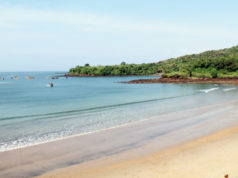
[{"x": 214, "y": 73}]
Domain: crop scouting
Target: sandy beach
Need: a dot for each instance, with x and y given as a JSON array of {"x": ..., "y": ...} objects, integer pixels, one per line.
[
  {"x": 118, "y": 89},
  {"x": 167, "y": 145},
  {"x": 210, "y": 156}
]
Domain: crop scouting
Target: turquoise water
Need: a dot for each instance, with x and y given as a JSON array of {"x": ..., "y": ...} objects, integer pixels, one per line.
[{"x": 32, "y": 113}]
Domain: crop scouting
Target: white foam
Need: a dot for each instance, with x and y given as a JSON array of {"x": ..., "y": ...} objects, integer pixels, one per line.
[
  {"x": 209, "y": 90},
  {"x": 33, "y": 142}
]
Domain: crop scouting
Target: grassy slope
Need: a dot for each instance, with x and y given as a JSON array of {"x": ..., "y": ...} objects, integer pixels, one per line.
[{"x": 210, "y": 64}]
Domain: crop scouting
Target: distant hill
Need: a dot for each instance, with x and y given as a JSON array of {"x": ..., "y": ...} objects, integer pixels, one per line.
[{"x": 210, "y": 64}]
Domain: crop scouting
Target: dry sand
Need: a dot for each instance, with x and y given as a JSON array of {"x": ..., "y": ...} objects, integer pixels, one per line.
[{"x": 210, "y": 156}]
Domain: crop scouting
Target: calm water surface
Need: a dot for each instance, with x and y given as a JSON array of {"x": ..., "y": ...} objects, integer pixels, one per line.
[{"x": 32, "y": 113}]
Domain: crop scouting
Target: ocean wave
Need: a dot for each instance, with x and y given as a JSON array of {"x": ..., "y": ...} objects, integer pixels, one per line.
[
  {"x": 82, "y": 111},
  {"x": 208, "y": 90},
  {"x": 229, "y": 89},
  {"x": 27, "y": 141},
  {"x": 30, "y": 140}
]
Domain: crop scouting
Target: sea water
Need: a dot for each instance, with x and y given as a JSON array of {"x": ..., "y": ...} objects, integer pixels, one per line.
[{"x": 31, "y": 112}]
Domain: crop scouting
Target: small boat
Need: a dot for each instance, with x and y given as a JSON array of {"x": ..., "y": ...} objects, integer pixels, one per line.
[
  {"x": 2, "y": 78},
  {"x": 29, "y": 77},
  {"x": 50, "y": 85},
  {"x": 14, "y": 77}
]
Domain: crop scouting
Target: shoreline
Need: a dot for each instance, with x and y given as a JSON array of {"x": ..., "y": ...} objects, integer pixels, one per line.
[
  {"x": 94, "y": 76},
  {"x": 225, "y": 81},
  {"x": 92, "y": 132},
  {"x": 72, "y": 136},
  {"x": 138, "y": 139}
]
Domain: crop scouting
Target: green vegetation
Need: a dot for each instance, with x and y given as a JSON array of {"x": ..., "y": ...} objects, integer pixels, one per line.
[
  {"x": 211, "y": 64},
  {"x": 116, "y": 70}
]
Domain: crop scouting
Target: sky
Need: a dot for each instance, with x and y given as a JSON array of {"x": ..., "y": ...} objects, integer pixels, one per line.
[{"x": 55, "y": 35}]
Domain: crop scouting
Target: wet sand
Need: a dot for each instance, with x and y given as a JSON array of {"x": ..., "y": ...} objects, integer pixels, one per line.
[{"x": 121, "y": 145}]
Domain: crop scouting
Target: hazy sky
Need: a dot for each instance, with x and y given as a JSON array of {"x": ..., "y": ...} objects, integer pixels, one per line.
[{"x": 59, "y": 34}]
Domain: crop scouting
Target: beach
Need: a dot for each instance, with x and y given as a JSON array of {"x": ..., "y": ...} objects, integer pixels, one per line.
[
  {"x": 162, "y": 145},
  {"x": 210, "y": 156},
  {"x": 118, "y": 89}
]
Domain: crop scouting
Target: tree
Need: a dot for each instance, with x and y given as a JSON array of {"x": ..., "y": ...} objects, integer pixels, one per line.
[
  {"x": 123, "y": 63},
  {"x": 222, "y": 63},
  {"x": 214, "y": 73}
]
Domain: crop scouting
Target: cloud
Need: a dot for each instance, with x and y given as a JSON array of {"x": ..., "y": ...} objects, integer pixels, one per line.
[
  {"x": 45, "y": 36},
  {"x": 18, "y": 18}
]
